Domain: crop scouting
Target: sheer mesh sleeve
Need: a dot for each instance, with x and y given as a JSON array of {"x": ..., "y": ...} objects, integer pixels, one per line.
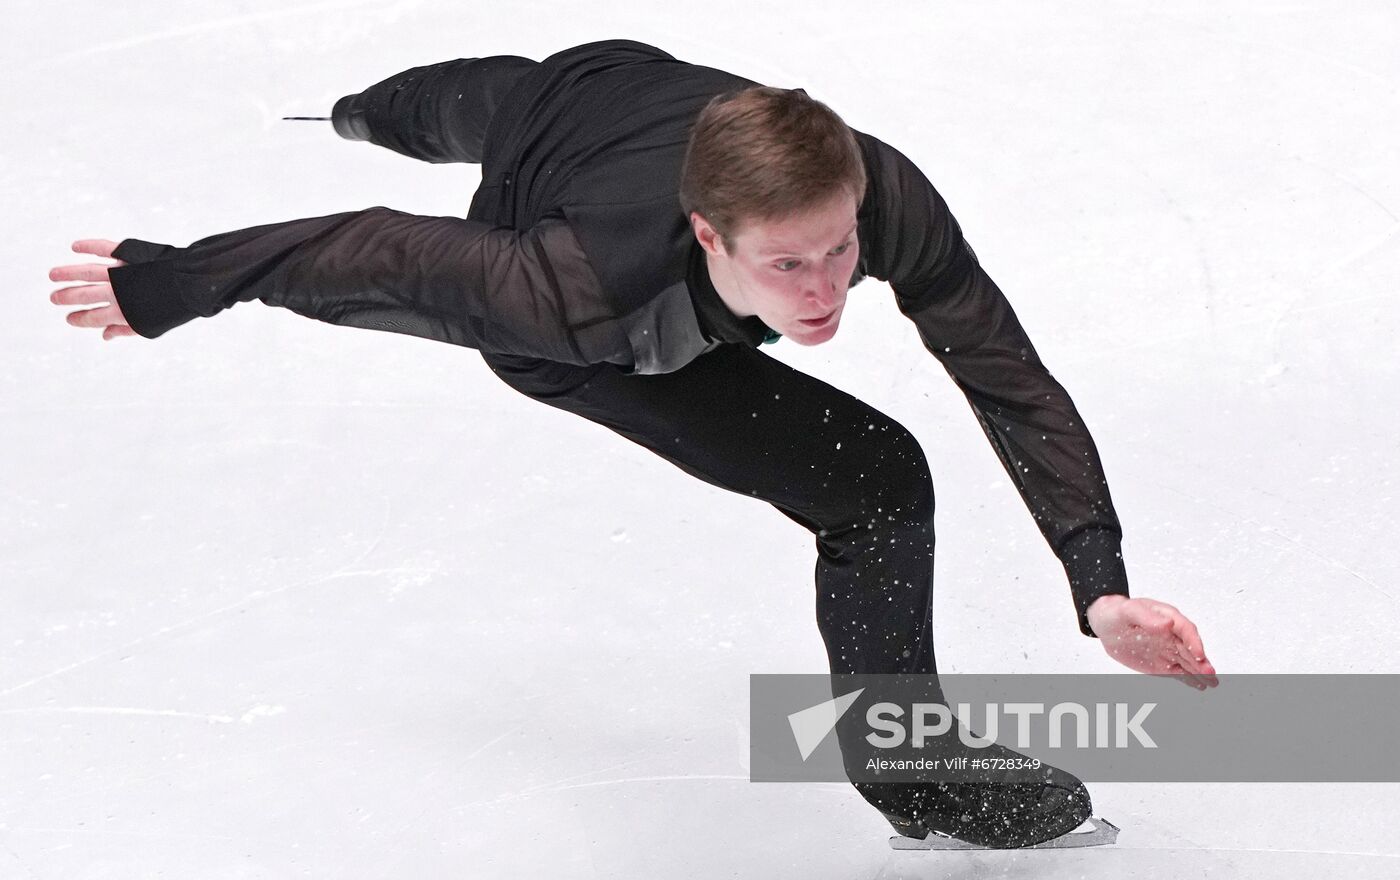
[{"x": 911, "y": 240}]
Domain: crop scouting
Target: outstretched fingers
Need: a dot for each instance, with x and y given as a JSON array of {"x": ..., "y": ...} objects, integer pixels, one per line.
[
  {"x": 105, "y": 316},
  {"x": 81, "y": 272},
  {"x": 1181, "y": 650},
  {"x": 98, "y": 247},
  {"x": 1191, "y": 654},
  {"x": 82, "y": 295},
  {"x": 94, "y": 289}
]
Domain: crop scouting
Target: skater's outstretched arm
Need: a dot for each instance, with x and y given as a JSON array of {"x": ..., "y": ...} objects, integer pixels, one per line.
[
  {"x": 437, "y": 113},
  {"x": 967, "y": 323},
  {"x": 912, "y": 240},
  {"x": 528, "y": 292}
]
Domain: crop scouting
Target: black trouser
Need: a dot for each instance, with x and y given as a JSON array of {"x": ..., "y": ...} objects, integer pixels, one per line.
[{"x": 854, "y": 477}]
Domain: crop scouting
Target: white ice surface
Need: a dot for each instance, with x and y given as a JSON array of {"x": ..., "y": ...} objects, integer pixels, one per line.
[{"x": 282, "y": 599}]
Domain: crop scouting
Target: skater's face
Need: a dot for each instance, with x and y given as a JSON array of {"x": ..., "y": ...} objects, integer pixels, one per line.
[{"x": 793, "y": 273}]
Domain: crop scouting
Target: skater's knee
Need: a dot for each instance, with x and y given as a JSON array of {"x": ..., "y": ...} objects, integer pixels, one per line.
[
  {"x": 890, "y": 493},
  {"x": 898, "y": 483}
]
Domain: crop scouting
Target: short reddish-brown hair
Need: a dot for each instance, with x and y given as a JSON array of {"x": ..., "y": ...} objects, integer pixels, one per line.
[{"x": 764, "y": 153}]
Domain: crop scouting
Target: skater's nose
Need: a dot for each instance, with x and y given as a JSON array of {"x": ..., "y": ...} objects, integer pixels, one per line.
[{"x": 823, "y": 290}]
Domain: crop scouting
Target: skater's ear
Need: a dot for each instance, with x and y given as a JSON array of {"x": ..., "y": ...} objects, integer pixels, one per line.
[{"x": 709, "y": 237}]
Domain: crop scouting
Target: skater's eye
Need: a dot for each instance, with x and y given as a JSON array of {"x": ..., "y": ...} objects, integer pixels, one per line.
[{"x": 789, "y": 265}]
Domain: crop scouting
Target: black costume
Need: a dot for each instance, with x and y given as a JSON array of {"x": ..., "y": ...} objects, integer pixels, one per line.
[{"x": 577, "y": 276}]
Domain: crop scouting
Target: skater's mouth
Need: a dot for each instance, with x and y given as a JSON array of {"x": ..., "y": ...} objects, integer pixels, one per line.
[{"x": 814, "y": 323}]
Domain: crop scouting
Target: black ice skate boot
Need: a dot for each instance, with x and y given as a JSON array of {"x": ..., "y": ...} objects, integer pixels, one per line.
[{"x": 999, "y": 815}]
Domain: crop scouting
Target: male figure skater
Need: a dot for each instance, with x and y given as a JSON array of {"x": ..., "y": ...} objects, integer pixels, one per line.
[{"x": 643, "y": 225}]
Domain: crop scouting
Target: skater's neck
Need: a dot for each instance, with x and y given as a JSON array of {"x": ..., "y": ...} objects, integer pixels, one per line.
[{"x": 723, "y": 281}]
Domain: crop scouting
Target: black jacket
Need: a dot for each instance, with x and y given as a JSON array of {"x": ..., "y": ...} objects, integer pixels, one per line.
[{"x": 575, "y": 249}]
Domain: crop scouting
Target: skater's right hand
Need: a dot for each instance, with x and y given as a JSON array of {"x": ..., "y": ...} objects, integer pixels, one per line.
[{"x": 96, "y": 289}]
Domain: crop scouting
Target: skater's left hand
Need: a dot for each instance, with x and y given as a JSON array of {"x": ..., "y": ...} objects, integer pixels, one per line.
[{"x": 1152, "y": 637}]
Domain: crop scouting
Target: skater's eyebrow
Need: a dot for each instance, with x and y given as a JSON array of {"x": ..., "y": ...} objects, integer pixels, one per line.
[{"x": 781, "y": 249}]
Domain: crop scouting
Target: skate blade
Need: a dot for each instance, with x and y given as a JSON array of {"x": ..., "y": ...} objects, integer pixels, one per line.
[{"x": 1102, "y": 833}]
